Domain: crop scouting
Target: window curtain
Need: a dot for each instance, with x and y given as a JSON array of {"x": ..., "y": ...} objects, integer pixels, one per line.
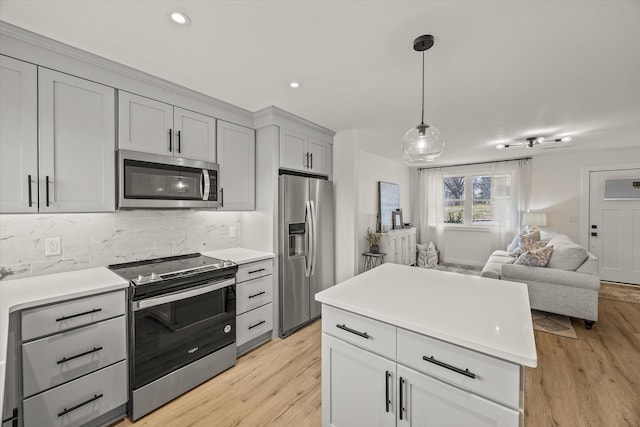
[
  {"x": 510, "y": 190},
  {"x": 430, "y": 227}
]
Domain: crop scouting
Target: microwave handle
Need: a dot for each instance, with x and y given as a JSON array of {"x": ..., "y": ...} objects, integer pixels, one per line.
[{"x": 207, "y": 185}]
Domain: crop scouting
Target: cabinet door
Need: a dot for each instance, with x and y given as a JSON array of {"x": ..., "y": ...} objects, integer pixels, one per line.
[
  {"x": 320, "y": 156},
  {"x": 144, "y": 124},
  {"x": 426, "y": 401},
  {"x": 18, "y": 136},
  {"x": 77, "y": 144},
  {"x": 195, "y": 135},
  {"x": 237, "y": 159},
  {"x": 355, "y": 386},
  {"x": 293, "y": 150}
]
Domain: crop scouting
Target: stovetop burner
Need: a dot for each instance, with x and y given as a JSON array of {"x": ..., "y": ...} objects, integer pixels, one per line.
[{"x": 171, "y": 273}]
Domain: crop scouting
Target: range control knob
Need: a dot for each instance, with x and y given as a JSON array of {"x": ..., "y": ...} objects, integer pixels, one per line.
[
  {"x": 227, "y": 329},
  {"x": 228, "y": 263},
  {"x": 154, "y": 276},
  {"x": 141, "y": 278}
]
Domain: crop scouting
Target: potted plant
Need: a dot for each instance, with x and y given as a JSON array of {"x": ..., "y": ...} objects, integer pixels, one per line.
[{"x": 373, "y": 238}]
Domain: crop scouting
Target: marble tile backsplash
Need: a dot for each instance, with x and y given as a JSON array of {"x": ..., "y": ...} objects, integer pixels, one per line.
[{"x": 100, "y": 239}]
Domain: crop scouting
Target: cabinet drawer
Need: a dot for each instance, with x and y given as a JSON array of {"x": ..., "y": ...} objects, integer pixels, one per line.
[
  {"x": 361, "y": 331},
  {"x": 79, "y": 401},
  {"x": 254, "y": 270},
  {"x": 254, "y": 323},
  {"x": 59, "y": 358},
  {"x": 254, "y": 293},
  {"x": 494, "y": 378},
  {"x": 71, "y": 314}
]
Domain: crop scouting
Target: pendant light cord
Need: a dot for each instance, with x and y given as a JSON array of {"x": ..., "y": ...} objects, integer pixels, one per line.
[{"x": 422, "y": 120}]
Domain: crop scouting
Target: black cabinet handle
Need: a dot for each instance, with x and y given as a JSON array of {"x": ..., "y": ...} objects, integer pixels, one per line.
[
  {"x": 65, "y": 411},
  {"x": 401, "y": 403},
  {"x": 179, "y": 139},
  {"x": 222, "y": 197},
  {"x": 257, "y": 271},
  {"x": 170, "y": 140},
  {"x": 13, "y": 418},
  {"x": 257, "y": 295},
  {"x": 47, "y": 188},
  {"x": 353, "y": 331},
  {"x": 386, "y": 390},
  {"x": 95, "y": 310},
  {"x": 306, "y": 163},
  {"x": 311, "y": 157},
  {"x": 465, "y": 372},
  {"x": 29, "y": 185},
  {"x": 66, "y": 359},
  {"x": 257, "y": 324}
]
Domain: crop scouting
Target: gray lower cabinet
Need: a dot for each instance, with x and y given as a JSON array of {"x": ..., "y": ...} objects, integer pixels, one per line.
[
  {"x": 74, "y": 367},
  {"x": 254, "y": 296}
]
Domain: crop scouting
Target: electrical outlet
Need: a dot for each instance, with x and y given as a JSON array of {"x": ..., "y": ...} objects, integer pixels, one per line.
[
  {"x": 573, "y": 218},
  {"x": 52, "y": 246},
  {"x": 232, "y": 231}
]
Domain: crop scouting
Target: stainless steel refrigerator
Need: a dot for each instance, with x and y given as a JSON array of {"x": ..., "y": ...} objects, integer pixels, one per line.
[{"x": 306, "y": 251}]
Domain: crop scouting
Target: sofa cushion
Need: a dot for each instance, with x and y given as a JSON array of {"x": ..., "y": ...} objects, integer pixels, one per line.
[
  {"x": 567, "y": 255},
  {"x": 528, "y": 244},
  {"x": 535, "y": 258}
]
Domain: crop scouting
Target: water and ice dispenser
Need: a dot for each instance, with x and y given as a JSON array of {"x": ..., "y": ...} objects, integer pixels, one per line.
[{"x": 296, "y": 239}]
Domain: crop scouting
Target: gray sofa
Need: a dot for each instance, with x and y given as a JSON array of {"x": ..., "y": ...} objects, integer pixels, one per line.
[{"x": 568, "y": 285}]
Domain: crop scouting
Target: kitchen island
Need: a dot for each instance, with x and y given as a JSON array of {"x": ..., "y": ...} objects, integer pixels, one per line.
[{"x": 409, "y": 346}]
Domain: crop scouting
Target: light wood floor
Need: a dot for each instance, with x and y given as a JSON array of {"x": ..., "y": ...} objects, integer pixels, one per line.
[{"x": 591, "y": 381}]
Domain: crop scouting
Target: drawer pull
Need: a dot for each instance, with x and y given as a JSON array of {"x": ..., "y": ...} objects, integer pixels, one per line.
[
  {"x": 257, "y": 271},
  {"x": 66, "y": 359},
  {"x": 466, "y": 372},
  {"x": 65, "y": 411},
  {"x": 401, "y": 397},
  {"x": 257, "y": 324},
  {"x": 95, "y": 310},
  {"x": 386, "y": 389},
  {"x": 353, "y": 331},
  {"x": 256, "y": 295}
]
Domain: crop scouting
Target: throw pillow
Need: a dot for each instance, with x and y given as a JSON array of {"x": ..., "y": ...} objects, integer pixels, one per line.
[
  {"x": 535, "y": 258},
  {"x": 528, "y": 244},
  {"x": 534, "y": 235},
  {"x": 515, "y": 243}
]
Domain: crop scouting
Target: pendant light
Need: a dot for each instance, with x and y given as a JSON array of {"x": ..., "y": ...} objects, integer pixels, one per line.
[{"x": 422, "y": 143}]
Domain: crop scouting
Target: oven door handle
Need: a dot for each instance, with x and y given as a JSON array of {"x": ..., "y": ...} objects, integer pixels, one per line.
[{"x": 164, "y": 299}]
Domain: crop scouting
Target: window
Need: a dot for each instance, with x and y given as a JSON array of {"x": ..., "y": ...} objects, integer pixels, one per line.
[{"x": 467, "y": 204}]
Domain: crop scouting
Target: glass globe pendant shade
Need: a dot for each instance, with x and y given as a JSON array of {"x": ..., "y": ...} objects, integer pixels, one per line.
[{"x": 422, "y": 144}]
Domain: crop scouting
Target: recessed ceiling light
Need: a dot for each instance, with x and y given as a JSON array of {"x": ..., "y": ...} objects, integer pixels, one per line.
[
  {"x": 180, "y": 18},
  {"x": 294, "y": 85}
]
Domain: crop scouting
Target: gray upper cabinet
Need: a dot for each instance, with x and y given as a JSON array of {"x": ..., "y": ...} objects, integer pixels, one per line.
[
  {"x": 236, "y": 156},
  {"x": 304, "y": 153},
  {"x": 151, "y": 126},
  {"x": 76, "y": 144},
  {"x": 57, "y": 141},
  {"x": 18, "y": 136}
]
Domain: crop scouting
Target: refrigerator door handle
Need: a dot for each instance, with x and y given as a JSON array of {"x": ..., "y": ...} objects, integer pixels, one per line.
[
  {"x": 308, "y": 219},
  {"x": 315, "y": 240}
]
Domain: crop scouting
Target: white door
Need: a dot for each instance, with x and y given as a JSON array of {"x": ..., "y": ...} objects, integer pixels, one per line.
[
  {"x": 237, "y": 161},
  {"x": 18, "y": 136},
  {"x": 195, "y": 135},
  {"x": 426, "y": 401},
  {"x": 293, "y": 150},
  {"x": 145, "y": 124},
  {"x": 320, "y": 156},
  {"x": 76, "y": 144},
  {"x": 355, "y": 386},
  {"x": 614, "y": 224}
]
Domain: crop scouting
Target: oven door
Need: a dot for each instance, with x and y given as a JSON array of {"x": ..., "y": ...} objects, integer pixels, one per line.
[
  {"x": 156, "y": 181},
  {"x": 171, "y": 331}
]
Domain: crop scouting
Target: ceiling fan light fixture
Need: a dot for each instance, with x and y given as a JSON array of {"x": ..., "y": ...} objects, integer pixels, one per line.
[
  {"x": 422, "y": 143},
  {"x": 535, "y": 140}
]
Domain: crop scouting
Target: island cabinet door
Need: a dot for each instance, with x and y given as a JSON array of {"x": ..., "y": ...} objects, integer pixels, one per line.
[
  {"x": 425, "y": 401},
  {"x": 357, "y": 386}
]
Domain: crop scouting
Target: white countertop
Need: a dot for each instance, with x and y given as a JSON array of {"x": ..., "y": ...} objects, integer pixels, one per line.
[
  {"x": 33, "y": 291},
  {"x": 239, "y": 255},
  {"x": 487, "y": 315}
]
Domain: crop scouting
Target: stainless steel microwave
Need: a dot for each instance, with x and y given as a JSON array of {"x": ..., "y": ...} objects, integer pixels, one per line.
[{"x": 154, "y": 181}]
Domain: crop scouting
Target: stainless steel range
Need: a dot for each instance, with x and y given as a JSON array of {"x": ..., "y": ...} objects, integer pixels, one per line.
[{"x": 182, "y": 326}]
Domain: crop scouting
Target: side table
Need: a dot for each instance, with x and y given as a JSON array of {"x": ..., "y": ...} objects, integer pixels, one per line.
[{"x": 372, "y": 260}]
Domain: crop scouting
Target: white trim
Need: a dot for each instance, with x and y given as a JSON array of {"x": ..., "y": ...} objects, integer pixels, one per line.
[
  {"x": 475, "y": 228},
  {"x": 583, "y": 224},
  {"x": 273, "y": 115}
]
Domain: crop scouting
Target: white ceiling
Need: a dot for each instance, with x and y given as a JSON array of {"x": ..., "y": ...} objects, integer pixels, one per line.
[{"x": 499, "y": 70}]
